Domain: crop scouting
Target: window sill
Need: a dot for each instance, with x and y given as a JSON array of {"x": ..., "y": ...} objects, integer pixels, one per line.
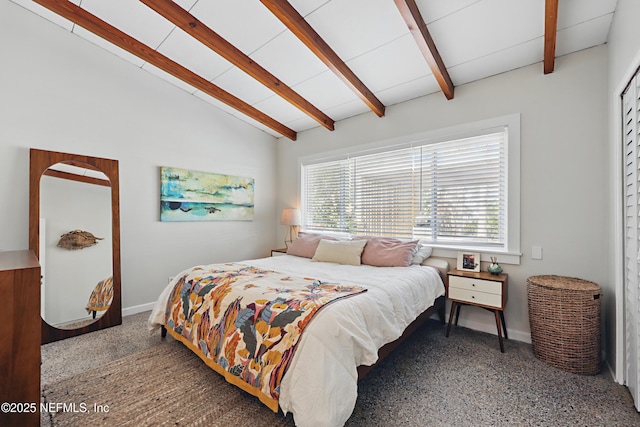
[{"x": 485, "y": 254}]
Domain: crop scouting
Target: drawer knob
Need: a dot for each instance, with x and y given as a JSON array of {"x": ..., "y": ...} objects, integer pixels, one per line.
[
  {"x": 473, "y": 284},
  {"x": 473, "y": 297}
]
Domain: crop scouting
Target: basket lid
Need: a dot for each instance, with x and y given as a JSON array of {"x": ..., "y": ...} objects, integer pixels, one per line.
[{"x": 562, "y": 282}]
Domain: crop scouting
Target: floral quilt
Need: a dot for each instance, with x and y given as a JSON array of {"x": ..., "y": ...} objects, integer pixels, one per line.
[
  {"x": 245, "y": 322},
  {"x": 102, "y": 296}
]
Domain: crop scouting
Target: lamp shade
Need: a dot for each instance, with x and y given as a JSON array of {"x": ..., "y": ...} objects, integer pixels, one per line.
[{"x": 290, "y": 216}]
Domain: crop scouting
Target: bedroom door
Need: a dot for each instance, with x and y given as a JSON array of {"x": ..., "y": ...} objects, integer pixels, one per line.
[{"x": 631, "y": 182}]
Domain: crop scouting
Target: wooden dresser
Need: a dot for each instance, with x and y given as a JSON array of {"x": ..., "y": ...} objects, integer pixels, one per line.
[{"x": 19, "y": 339}]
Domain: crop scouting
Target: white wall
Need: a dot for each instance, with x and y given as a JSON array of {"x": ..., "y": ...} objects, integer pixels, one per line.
[
  {"x": 563, "y": 164},
  {"x": 623, "y": 59},
  {"x": 59, "y": 92}
]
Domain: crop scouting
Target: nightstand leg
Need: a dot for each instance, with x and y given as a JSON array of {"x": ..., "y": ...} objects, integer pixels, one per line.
[
  {"x": 498, "y": 326},
  {"x": 504, "y": 326},
  {"x": 453, "y": 309},
  {"x": 457, "y": 313}
]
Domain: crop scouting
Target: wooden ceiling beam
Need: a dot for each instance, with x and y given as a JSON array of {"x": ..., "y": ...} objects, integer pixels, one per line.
[
  {"x": 550, "y": 34},
  {"x": 418, "y": 28},
  {"x": 307, "y": 35},
  {"x": 192, "y": 26},
  {"x": 102, "y": 29}
]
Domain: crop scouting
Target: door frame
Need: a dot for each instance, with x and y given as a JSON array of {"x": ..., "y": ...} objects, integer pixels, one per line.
[{"x": 618, "y": 212}]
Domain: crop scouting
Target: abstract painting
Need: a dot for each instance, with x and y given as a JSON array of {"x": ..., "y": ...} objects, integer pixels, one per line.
[{"x": 188, "y": 195}]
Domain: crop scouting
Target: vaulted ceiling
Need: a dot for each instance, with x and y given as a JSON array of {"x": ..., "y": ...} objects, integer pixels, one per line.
[{"x": 288, "y": 66}]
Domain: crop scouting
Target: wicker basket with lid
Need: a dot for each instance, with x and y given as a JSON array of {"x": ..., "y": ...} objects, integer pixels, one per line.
[{"x": 564, "y": 315}]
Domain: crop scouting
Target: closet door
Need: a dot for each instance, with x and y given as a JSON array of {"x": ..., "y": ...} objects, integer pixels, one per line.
[{"x": 631, "y": 118}]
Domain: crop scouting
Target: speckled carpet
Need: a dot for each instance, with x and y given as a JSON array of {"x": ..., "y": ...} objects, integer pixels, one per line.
[{"x": 429, "y": 381}]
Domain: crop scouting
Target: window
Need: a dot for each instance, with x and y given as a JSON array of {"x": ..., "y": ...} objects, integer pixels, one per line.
[{"x": 452, "y": 193}]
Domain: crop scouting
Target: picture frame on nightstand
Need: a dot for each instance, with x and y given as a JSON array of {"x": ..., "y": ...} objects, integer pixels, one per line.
[{"x": 468, "y": 261}]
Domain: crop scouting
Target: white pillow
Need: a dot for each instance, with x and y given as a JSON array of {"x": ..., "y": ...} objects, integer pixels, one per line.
[
  {"x": 340, "y": 251},
  {"x": 421, "y": 254},
  {"x": 306, "y": 244}
]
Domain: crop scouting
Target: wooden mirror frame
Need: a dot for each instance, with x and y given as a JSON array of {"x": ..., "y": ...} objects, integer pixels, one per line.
[{"x": 40, "y": 161}]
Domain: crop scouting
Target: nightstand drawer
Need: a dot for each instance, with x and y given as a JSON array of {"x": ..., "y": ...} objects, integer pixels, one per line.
[
  {"x": 475, "y": 297},
  {"x": 475, "y": 285}
]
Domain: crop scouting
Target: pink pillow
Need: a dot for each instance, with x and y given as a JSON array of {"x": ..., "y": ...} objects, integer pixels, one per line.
[
  {"x": 388, "y": 252},
  {"x": 306, "y": 244}
]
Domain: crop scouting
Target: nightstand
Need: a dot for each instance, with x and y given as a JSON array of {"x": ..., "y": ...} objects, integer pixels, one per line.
[
  {"x": 480, "y": 289},
  {"x": 278, "y": 252}
]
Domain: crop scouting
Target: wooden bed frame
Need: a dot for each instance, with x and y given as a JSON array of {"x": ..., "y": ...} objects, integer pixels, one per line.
[{"x": 437, "y": 307}]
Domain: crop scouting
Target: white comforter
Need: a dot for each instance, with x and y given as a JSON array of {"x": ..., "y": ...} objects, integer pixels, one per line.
[{"x": 320, "y": 386}]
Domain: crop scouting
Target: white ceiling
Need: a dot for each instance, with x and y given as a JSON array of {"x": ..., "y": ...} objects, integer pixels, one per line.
[{"x": 476, "y": 39}]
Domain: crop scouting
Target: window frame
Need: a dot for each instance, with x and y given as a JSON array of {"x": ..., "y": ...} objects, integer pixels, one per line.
[{"x": 510, "y": 253}]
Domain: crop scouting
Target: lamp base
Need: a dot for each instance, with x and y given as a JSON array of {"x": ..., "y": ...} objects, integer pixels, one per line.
[{"x": 291, "y": 239}]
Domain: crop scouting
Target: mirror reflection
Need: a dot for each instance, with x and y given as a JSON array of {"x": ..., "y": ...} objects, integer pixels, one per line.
[{"x": 75, "y": 245}]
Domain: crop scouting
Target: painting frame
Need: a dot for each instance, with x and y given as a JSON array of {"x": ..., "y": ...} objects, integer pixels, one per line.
[
  {"x": 468, "y": 261},
  {"x": 192, "y": 195}
]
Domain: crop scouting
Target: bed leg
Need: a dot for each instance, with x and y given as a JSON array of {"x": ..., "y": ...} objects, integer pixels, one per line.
[
  {"x": 163, "y": 331},
  {"x": 442, "y": 313}
]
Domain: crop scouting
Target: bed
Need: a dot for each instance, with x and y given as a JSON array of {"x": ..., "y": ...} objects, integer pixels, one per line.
[
  {"x": 101, "y": 297},
  {"x": 341, "y": 341}
]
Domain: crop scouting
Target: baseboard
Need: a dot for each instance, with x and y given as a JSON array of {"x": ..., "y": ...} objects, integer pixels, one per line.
[
  {"x": 612, "y": 373},
  {"x": 525, "y": 337},
  {"x": 128, "y": 311},
  {"x": 476, "y": 326},
  {"x": 491, "y": 329}
]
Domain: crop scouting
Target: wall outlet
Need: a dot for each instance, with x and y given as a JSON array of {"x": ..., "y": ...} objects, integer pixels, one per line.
[{"x": 536, "y": 252}]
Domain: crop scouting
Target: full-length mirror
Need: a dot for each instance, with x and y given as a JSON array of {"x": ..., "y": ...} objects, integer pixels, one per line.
[
  {"x": 75, "y": 245},
  {"x": 74, "y": 229}
]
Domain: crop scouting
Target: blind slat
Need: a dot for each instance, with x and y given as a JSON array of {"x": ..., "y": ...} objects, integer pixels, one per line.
[{"x": 453, "y": 191}]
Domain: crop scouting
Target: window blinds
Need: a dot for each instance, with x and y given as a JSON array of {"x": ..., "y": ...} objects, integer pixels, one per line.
[
  {"x": 328, "y": 196},
  {"x": 449, "y": 193},
  {"x": 465, "y": 196}
]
